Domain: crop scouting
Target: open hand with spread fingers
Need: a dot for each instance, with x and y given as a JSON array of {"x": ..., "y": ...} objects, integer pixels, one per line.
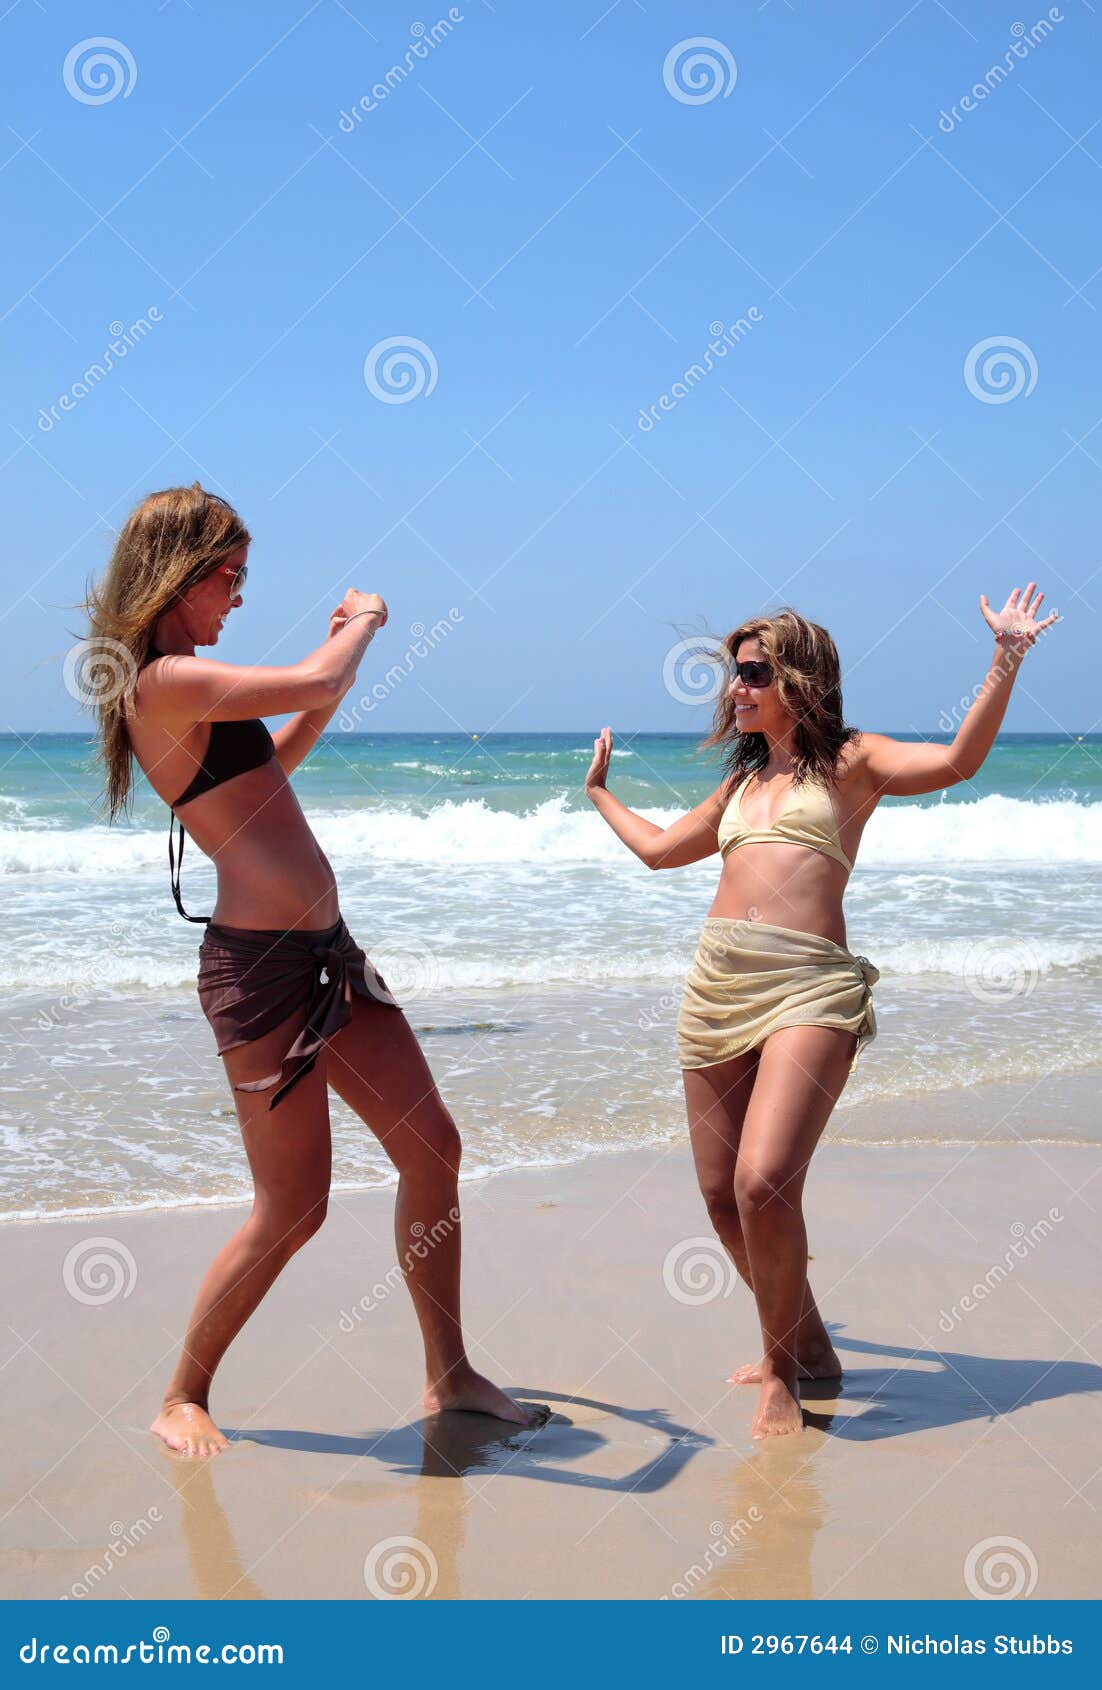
[{"x": 1016, "y": 624}]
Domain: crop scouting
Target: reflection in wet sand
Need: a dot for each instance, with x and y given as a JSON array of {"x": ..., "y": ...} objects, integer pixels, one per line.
[
  {"x": 443, "y": 1449},
  {"x": 216, "y": 1570},
  {"x": 764, "y": 1528}
]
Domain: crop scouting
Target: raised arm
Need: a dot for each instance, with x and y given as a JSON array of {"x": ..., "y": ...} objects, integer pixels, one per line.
[
  {"x": 899, "y": 770},
  {"x": 294, "y": 740},
  {"x": 688, "y": 840},
  {"x": 198, "y": 689}
]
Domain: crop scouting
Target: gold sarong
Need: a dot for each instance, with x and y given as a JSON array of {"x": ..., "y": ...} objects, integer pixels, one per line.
[{"x": 749, "y": 978}]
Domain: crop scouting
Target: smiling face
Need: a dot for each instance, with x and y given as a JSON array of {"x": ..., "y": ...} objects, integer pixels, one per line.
[
  {"x": 210, "y": 601},
  {"x": 757, "y": 708}
]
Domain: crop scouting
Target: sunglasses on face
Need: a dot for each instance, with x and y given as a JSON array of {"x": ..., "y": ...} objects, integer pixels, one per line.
[
  {"x": 755, "y": 674},
  {"x": 237, "y": 576}
]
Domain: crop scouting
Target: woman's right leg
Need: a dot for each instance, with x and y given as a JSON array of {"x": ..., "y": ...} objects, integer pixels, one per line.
[
  {"x": 290, "y": 1156},
  {"x": 716, "y": 1100}
]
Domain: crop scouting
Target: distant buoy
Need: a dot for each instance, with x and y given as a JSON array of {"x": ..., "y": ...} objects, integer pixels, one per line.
[{"x": 474, "y": 736}]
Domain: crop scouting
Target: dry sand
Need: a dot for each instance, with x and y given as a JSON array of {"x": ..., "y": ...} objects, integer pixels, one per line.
[{"x": 645, "y": 1483}]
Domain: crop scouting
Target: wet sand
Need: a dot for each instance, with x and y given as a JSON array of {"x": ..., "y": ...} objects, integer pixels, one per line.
[{"x": 960, "y": 1280}]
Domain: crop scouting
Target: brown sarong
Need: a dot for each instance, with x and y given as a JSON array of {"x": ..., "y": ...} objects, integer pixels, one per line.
[{"x": 252, "y": 978}]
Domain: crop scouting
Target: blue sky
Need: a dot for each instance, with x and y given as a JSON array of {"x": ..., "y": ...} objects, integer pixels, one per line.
[{"x": 544, "y": 203}]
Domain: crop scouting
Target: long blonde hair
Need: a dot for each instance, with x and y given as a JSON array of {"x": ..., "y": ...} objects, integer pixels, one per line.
[
  {"x": 808, "y": 679},
  {"x": 166, "y": 545}
]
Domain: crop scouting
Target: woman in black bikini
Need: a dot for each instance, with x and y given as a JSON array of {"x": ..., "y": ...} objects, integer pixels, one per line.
[
  {"x": 294, "y": 1004},
  {"x": 776, "y": 1009}
]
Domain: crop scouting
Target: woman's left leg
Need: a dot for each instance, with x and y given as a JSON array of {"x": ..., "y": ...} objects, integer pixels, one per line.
[
  {"x": 377, "y": 1066},
  {"x": 801, "y": 1073}
]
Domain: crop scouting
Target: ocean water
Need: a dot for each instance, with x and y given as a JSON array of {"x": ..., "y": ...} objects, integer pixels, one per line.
[{"x": 539, "y": 961}]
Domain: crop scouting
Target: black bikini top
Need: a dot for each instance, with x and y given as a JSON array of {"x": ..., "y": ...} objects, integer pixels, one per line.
[{"x": 233, "y": 749}]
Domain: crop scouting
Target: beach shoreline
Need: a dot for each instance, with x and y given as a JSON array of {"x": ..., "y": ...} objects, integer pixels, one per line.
[
  {"x": 919, "y": 1118},
  {"x": 595, "y": 1287}
]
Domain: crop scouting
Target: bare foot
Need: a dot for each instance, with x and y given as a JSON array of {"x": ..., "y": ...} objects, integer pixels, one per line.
[
  {"x": 819, "y": 1363},
  {"x": 471, "y": 1392},
  {"x": 189, "y": 1429},
  {"x": 778, "y": 1411}
]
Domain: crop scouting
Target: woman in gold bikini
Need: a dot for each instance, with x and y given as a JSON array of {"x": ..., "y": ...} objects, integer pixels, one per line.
[{"x": 776, "y": 1010}]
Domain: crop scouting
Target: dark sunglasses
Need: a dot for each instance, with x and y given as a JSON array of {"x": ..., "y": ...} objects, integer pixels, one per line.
[
  {"x": 754, "y": 674},
  {"x": 237, "y": 576}
]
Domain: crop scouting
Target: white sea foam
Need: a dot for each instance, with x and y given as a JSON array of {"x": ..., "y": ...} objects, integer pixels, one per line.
[
  {"x": 1025, "y": 955},
  {"x": 438, "y": 966},
  {"x": 80, "y": 850},
  {"x": 936, "y": 837}
]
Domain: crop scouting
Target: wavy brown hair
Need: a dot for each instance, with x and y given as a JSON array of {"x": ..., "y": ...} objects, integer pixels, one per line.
[
  {"x": 808, "y": 680},
  {"x": 167, "y": 544}
]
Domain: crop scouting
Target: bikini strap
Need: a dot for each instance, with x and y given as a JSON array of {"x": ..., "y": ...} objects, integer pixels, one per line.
[{"x": 174, "y": 869}]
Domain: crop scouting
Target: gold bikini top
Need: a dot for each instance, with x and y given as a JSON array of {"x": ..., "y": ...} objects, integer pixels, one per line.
[{"x": 808, "y": 819}]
